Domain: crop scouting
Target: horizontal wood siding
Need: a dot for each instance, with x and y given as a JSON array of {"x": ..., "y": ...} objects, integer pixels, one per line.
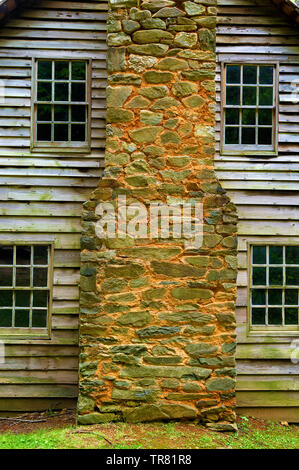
[
  {"x": 265, "y": 191},
  {"x": 41, "y": 194}
]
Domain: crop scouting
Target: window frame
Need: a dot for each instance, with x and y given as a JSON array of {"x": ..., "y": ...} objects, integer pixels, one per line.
[
  {"x": 33, "y": 333},
  {"x": 266, "y": 330},
  {"x": 61, "y": 147},
  {"x": 240, "y": 149}
]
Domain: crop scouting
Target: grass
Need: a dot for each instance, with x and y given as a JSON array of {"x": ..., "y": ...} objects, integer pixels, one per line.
[{"x": 253, "y": 434}]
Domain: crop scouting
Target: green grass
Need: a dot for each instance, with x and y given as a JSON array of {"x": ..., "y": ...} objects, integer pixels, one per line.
[{"x": 252, "y": 434}]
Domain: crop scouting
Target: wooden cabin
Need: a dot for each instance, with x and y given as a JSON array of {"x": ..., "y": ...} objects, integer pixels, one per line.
[{"x": 43, "y": 188}]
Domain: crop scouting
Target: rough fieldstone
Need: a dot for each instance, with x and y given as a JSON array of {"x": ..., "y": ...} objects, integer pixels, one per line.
[
  {"x": 172, "y": 64},
  {"x": 138, "y": 102},
  {"x": 130, "y": 26},
  {"x": 153, "y": 23},
  {"x": 126, "y": 79},
  {"x": 152, "y": 253},
  {"x": 194, "y": 101},
  {"x": 141, "y": 63},
  {"x": 176, "y": 270},
  {"x": 184, "y": 88},
  {"x": 154, "y": 92},
  {"x": 220, "y": 384},
  {"x": 149, "y": 118},
  {"x": 200, "y": 349},
  {"x": 157, "y": 77},
  {"x": 85, "y": 404},
  {"x": 177, "y": 372},
  {"x": 187, "y": 293},
  {"x": 116, "y": 96},
  {"x": 116, "y": 59},
  {"x": 151, "y": 36},
  {"x": 118, "y": 39},
  {"x": 145, "y": 135},
  {"x": 129, "y": 270},
  {"x": 153, "y": 331},
  {"x": 207, "y": 40},
  {"x": 169, "y": 12},
  {"x": 165, "y": 103},
  {"x": 170, "y": 137},
  {"x": 154, "y": 5},
  {"x": 192, "y": 9},
  {"x": 206, "y": 22},
  {"x": 135, "y": 395},
  {"x": 221, "y": 426},
  {"x": 97, "y": 418},
  {"x": 184, "y": 39},
  {"x": 157, "y": 50},
  {"x": 163, "y": 361},
  {"x": 114, "y": 115},
  {"x": 186, "y": 317},
  {"x": 179, "y": 161},
  {"x": 139, "y": 15}
]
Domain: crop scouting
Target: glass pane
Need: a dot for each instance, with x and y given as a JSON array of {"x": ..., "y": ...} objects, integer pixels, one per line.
[
  {"x": 61, "y": 112},
  {"x": 275, "y": 316},
  {"x": 44, "y": 112},
  {"x": 78, "y": 113},
  {"x": 22, "y": 318},
  {"x": 248, "y": 135},
  {"x": 266, "y": 96},
  {"x": 233, "y": 74},
  {"x": 275, "y": 297},
  {"x": 23, "y": 298},
  {"x": 292, "y": 276},
  {"x": 232, "y": 135},
  {"x": 5, "y": 318},
  {"x": 258, "y": 316},
  {"x": 44, "y": 91},
  {"x": 40, "y": 255},
  {"x": 258, "y": 296},
  {"x": 6, "y": 277},
  {"x": 44, "y": 69},
  {"x": 44, "y": 132},
  {"x": 292, "y": 254},
  {"x": 275, "y": 276},
  {"x": 78, "y": 70},
  {"x": 61, "y": 70},
  {"x": 39, "y": 318},
  {"x": 5, "y": 298},
  {"x": 265, "y": 117},
  {"x": 249, "y": 116},
  {"x": 259, "y": 276},
  {"x": 40, "y": 277},
  {"x": 275, "y": 254},
  {"x": 233, "y": 95},
  {"x": 291, "y": 316},
  {"x": 291, "y": 297},
  {"x": 61, "y": 92},
  {"x": 266, "y": 75},
  {"x": 23, "y": 277},
  {"x": 61, "y": 132},
  {"x": 23, "y": 256},
  {"x": 232, "y": 116},
  {"x": 6, "y": 254},
  {"x": 78, "y": 132},
  {"x": 40, "y": 298},
  {"x": 78, "y": 92},
  {"x": 259, "y": 255},
  {"x": 265, "y": 136},
  {"x": 250, "y": 74},
  {"x": 249, "y": 96}
]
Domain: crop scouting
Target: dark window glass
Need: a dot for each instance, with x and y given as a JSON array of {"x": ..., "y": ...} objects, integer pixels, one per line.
[
  {"x": 40, "y": 277},
  {"x": 265, "y": 136},
  {"x": 44, "y": 91},
  {"x": 61, "y": 70},
  {"x": 258, "y": 297},
  {"x": 40, "y": 255},
  {"x": 249, "y": 96},
  {"x": 78, "y": 70},
  {"x": 259, "y": 276},
  {"x": 6, "y": 255},
  {"x": 23, "y": 277},
  {"x": 22, "y": 318},
  {"x": 44, "y": 132},
  {"x": 22, "y": 298},
  {"x": 248, "y": 135},
  {"x": 44, "y": 70},
  {"x": 78, "y": 92},
  {"x": 292, "y": 276},
  {"x": 250, "y": 74},
  {"x": 78, "y": 132},
  {"x": 44, "y": 112},
  {"x": 291, "y": 297},
  {"x": 5, "y": 318},
  {"x": 61, "y": 112},
  {"x": 292, "y": 254},
  {"x": 40, "y": 298},
  {"x": 78, "y": 113},
  {"x": 275, "y": 297},
  {"x": 266, "y": 96},
  {"x": 275, "y": 255},
  {"x": 6, "y": 277},
  {"x": 233, "y": 95},
  {"x": 275, "y": 276},
  {"x": 258, "y": 316},
  {"x": 291, "y": 316},
  {"x": 275, "y": 316},
  {"x": 265, "y": 117},
  {"x": 61, "y": 132},
  {"x": 233, "y": 74},
  {"x": 61, "y": 92},
  {"x": 232, "y": 135},
  {"x": 5, "y": 298},
  {"x": 266, "y": 75},
  {"x": 23, "y": 257},
  {"x": 259, "y": 255},
  {"x": 249, "y": 116},
  {"x": 39, "y": 318}
]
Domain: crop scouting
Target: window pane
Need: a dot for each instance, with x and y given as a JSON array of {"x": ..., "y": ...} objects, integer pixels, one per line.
[
  {"x": 78, "y": 113},
  {"x": 5, "y": 298},
  {"x": 259, "y": 255},
  {"x": 233, "y": 95},
  {"x": 78, "y": 70},
  {"x": 23, "y": 298},
  {"x": 61, "y": 132},
  {"x": 275, "y": 255},
  {"x": 232, "y": 135},
  {"x": 61, "y": 92},
  {"x": 44, "y": 132},
  {"x": 40, "y": 277},
  {"x": 22, "y": 318},
  {"x": 5, "y": 277},
  {"x": 61, "y": 112},
  {"x": 275, "y": 316},
  {"x": 250, "y": 74},
  {"x": 259, "y": 276},
  {"x": 292, "y": 276},
  {"x": 6, "y": 254},
  {"x": 40, "y": 298},
  {"x": 23, "y": 256},
  {"x": 292, "y": 254},
  {"x": 266, "y": 96},
  {"x": 249, "y": 116},
  {"x": 44, "y": 112},
  {"x": 291, "y": 297},
  {"x": 23, "y": 277},
  {"x": 258, "y": 296},
  {"x": 275, "y": 276},
  {"x": 44, "y": 69},
  {"x": 265, "y": 117},
  {"x": 258, "y": 316},
  {"x": 232, "y": 116},
  {"x": 275, "y": 297},
  {"x": 248, "y": 135},
  {"x": 5, "y": 318},
  {"x": 291, "y": 316},
  {"x": 61, "y": 70},
  {"x": 78, "y": 92},
  {"x": 233, "y": 74},
  {"x": 266, "y": 75},
  {"x": 249, "y": 96},
  {"x": 265, "y": 136},
  {"x": 78, "y": 132},
  {"x": 40, "y": 255},
  {"x": 44, "y": 91},
  {"x": 39, "y": 318}
]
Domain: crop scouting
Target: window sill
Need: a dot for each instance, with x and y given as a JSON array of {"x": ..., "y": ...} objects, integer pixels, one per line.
[
  {"x": 61, "y": 149},
  {"x": 248, "y": 153},
  {"x": 24, "y": 333},
  {"x": 274, "y": 333}
]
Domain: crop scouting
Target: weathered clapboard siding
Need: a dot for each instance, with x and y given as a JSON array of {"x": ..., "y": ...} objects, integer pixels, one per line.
[
  {"x": 41, "y": 194},
  {"x": 265, "y": 192}
]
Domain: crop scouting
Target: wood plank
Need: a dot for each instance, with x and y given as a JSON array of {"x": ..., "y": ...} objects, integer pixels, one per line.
[
  {"x": 38, "y": 391},
  {"x": 31, "y": 365},
  {"x": 265, "y": 351},
  {"x": 267, "y": 399},
  {"x": 38, "y": 377},
  {"x": 282, "y": 382},
  {"x": 8, "y": 406},
  {"x": 267, "y": 367}
]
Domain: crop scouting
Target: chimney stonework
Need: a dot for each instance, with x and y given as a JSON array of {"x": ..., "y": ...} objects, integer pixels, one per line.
[{"x": 157, "y": 319}]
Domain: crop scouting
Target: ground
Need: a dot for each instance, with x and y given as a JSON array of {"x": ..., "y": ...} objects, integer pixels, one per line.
[{"x": 59, "y": 431}]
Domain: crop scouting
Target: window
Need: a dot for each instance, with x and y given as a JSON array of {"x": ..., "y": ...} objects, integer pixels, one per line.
[
  {"x": 274, "y": 287},
  {"x": 25, "y": 289},
  {"x": 249, "y": 109},
  {"x": 61, "y": 106}
]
